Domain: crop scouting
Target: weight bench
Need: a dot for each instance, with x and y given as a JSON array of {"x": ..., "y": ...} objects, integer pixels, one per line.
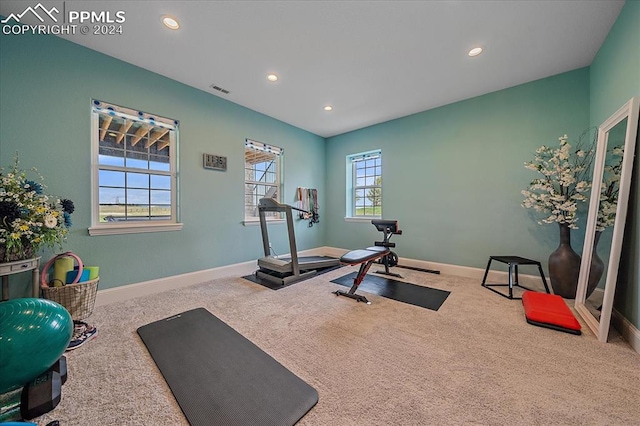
[{"x": 364, "y": 258}]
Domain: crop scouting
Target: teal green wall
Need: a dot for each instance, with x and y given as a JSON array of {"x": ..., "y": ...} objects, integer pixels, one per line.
[
  {"x": 615, "y": 78},
  {"x": 453, "y": 175},
  {"x": 46, "y": 85}
]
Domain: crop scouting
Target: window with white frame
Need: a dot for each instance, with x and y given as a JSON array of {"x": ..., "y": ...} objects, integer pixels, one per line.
[
  {"x": 364, "y": 183},
  {"x": 134, "y": 171},
  {"x": 262, "y": 176}
]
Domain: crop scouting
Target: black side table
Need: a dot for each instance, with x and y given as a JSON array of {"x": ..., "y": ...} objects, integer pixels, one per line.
[{"x": 513, "y": 262}]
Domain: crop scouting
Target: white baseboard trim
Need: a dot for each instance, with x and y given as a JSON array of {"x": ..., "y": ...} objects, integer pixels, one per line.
[
  {"x": 146, "y": 288},
  {"x": 628, "y": 331},
  {"x": 126, "y": 292}
]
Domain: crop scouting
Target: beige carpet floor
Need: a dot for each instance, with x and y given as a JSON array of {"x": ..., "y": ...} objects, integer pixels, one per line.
[{"x": 473, "y": 362}]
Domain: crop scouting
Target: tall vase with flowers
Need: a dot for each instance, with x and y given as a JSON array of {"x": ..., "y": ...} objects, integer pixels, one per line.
[
  {"x": 29, "y": 219},
  {"x": 564, "y": 183}
]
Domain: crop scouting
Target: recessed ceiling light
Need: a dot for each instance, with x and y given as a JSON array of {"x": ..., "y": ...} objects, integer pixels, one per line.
[
  {"x": 475, "y": 51},
  {"x": 170, "y": 22},
  {"x": 272, "y": 77},
  {"x": 328, "y": 108}
]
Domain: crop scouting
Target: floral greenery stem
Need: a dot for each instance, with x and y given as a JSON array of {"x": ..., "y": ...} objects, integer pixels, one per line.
[{"x": 564, "y": 182}]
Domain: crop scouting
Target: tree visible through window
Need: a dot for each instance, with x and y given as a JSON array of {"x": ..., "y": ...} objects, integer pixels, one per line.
[{"x": 367, "y": 185}]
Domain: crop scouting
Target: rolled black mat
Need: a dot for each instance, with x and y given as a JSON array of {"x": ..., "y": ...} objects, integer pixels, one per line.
[
  {"x": 219, "y": 377},
  {"x": 425, "y": 297}
]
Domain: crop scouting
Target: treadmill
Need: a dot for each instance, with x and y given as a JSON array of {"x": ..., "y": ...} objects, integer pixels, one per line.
[{"x": 286, "y": 270}]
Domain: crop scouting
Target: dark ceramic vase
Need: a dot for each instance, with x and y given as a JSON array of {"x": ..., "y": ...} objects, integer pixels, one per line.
[
  {"x": 564, "y": 266},
  {"x": 597, "y": 267}
]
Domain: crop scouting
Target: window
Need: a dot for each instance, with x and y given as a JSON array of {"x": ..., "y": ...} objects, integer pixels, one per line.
[
  {"x": 262, "y": 171},
  {"x": 134, "y": 171},
  {"x": 364, "y": 183}
]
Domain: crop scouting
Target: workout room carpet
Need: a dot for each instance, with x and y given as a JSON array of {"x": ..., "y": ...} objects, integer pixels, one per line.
[
  {"x": 219, "y": 377},
  {"x": 413, "y": 294},
  {"x": 474, "y": 362}
]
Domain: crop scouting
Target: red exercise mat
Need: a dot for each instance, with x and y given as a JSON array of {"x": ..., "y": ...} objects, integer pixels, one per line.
[{"x": 549, "y": 310}]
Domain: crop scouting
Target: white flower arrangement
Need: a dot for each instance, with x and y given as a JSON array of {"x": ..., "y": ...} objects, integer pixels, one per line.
[{"x": 563, "y": 183}]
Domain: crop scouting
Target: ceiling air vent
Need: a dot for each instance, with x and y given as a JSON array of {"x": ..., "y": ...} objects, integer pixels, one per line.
[{"x": 219, "y": 89}]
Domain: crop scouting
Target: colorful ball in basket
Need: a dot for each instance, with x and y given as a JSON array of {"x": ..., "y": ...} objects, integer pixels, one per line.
[
  {"x": 45, "y": 271},
  {"x": 34, "y": 333}
]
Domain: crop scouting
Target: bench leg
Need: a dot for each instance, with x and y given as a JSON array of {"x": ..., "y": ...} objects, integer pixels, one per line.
[
  {"x": 364, "y": 267},
  {"x": 511, "y": 272},
  {"x": 486, "y": 272},
  {"x": 544, "y": 281},
  {"x": 385, "y": 262}
]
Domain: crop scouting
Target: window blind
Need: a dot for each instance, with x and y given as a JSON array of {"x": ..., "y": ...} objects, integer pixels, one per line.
[{"x": 131, "y": 114}]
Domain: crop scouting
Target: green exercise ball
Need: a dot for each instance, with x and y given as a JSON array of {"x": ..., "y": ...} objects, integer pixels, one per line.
[{"x": 34, "y": 333}]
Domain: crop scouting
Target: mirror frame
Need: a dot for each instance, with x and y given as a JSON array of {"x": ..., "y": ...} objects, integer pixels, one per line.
[{"x": 630, "y": 111}]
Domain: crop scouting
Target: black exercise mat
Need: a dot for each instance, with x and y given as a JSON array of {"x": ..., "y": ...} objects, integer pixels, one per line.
[
  {"x": 219, "y": 377},
  {"x": 425, "y": 297}
]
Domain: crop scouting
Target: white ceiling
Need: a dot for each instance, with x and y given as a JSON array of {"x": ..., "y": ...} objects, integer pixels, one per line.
[{"x": 372, "y": 60}]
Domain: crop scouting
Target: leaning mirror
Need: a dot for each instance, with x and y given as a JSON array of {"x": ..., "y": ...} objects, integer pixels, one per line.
[{"x": 612, "y": 170}]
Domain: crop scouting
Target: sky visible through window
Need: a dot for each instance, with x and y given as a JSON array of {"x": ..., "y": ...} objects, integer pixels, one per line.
[{"x": 143, "y": 188}]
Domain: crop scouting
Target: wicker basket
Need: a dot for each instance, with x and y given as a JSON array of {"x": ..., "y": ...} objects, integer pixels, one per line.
[{"x": 78, "y": 299}]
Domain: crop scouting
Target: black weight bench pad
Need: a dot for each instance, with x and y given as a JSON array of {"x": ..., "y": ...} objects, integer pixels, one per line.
[
  {"x": 219, "y": 377},
  {"x": 355, "y": 257},
  {"x": 379, "y": 249}
]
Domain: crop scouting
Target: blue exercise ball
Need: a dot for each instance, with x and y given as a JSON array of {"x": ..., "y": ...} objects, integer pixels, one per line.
[{"x": 34, "y": 333}]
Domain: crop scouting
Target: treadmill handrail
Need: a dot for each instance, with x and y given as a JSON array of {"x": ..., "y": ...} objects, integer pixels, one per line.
[{"x": 271, "y": 205}]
